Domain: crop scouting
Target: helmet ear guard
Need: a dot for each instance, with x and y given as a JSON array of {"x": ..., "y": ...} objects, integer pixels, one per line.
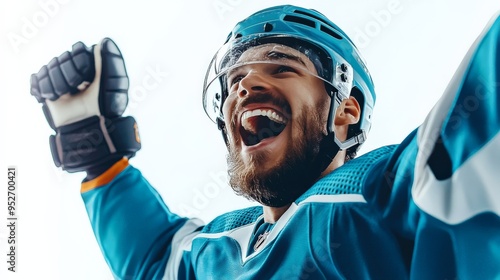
[
  {"x": 355, "y": 136},
  {"x": 355, "y": 130}
]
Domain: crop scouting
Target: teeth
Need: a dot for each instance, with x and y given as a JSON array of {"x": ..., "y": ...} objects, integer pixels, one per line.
[
  {"x": 266, "y": 113},
  {"x": 271, "y": 114}
]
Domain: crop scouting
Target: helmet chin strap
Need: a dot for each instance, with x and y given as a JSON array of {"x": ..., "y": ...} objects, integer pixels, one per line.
[{"x": 330, "y": 145}]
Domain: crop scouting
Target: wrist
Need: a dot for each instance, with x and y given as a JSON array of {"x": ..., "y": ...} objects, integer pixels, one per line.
[
  {"x": 94, "y": 143},
  {"x": 95, "y": 171}
]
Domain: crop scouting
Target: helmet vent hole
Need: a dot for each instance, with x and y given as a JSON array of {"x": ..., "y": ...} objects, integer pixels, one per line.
[
  {"x": 300, "y": 20},
  {"x": 330, "y": 32},
  {"x": 268, "y": 27},
  {"x": 313, "y": 16},
  {"x": 237, "y": 36}
]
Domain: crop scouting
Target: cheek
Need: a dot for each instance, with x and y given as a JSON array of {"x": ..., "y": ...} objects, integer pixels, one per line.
[
  {"x": 306, "y": 98},
  {"x": 310, "y": 110},
  {"x": 320, "y": 101}
]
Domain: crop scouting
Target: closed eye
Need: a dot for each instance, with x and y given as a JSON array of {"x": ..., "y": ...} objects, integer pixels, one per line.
[
  {"x": 235, "y": 79},
  {"x": 236, "y": 76},
  {"x": 284, "y": 69}
]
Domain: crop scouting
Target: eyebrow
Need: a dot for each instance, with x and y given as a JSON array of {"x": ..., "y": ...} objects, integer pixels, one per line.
[{"x": 276, "y": 55}]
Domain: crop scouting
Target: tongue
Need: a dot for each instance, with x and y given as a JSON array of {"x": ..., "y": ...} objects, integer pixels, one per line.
[
  {"x": 251, "y": 124},
  {"x": 259, "y": 128}
]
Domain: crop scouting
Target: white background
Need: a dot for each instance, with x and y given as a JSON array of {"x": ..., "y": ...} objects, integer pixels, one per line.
[{"x": 412, "y": 49}]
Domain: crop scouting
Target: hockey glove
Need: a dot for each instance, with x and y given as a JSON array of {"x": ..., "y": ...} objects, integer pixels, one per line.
[{"x": 84, "y": 94}]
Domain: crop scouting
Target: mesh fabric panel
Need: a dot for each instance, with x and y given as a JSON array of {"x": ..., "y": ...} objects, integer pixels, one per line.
[
  {"x": 349, "y": 178},
  {"x": 233, "y": 220}
]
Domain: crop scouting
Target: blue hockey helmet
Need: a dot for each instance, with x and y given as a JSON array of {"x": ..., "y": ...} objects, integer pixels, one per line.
[{"x": 336, "y": 58}]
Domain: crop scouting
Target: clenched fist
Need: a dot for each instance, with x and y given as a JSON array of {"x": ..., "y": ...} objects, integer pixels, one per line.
[{"x": 84, "y": 93}]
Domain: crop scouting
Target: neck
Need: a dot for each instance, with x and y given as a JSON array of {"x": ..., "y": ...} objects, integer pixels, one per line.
[
  {"x": 337, "y": 162},
  {"x": 272, "y": 214}
]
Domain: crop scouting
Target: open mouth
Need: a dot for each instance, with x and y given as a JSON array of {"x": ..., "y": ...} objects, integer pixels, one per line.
[{"x": 260, "y": 124}]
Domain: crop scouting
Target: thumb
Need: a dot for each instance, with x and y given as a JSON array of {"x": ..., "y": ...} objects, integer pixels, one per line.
[{"x": 114, "y": 83}]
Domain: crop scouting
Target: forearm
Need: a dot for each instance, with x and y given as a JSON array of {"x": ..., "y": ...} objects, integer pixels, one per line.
[{"x": 132, "y": 224}]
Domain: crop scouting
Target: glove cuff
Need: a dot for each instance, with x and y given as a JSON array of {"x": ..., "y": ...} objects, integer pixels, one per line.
[{"x": 94, "y": 141}]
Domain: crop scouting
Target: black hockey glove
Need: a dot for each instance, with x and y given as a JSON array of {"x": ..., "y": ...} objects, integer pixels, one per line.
[{"x": 84, "y": 94}]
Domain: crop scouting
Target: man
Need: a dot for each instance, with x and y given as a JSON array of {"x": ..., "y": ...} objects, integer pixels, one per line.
[{"x": 293, "y": 100}]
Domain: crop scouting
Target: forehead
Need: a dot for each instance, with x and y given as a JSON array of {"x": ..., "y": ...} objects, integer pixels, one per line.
[{"x": 278, "y": 53}]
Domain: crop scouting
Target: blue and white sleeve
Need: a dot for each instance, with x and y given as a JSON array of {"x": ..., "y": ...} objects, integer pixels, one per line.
[
  {"x": 458, "y": 157},
  {"x": 139, "y": 237},
  {"x": 441, "y": 190}
]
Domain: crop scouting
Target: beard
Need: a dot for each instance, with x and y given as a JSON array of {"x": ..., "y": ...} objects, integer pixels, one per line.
[{"x": 289, "y": 178}]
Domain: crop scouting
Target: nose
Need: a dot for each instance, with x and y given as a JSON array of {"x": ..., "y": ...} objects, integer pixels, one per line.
[{"x": 253, "y": 82}]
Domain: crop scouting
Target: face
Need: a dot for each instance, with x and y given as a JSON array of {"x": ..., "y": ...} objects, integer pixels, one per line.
[{"x": 275, "y": 117}]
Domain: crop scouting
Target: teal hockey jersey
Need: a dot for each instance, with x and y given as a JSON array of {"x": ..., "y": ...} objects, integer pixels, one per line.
[{"x": 428, "y": 208}]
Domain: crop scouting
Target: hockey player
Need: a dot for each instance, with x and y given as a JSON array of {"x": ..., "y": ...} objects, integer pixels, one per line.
[{"x": 293, "y": 100}]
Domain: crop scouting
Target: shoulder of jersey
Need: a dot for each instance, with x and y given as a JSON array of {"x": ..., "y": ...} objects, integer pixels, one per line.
[{"x": 350, "y": 177}]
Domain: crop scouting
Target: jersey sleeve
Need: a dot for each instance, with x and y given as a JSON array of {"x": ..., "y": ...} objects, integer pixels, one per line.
[
  {"x": 458, "y": 155},
  {"x": 441, "y": 189},
  {"x": 138, "y": 235},
  {"x": 440, "y": 192}
]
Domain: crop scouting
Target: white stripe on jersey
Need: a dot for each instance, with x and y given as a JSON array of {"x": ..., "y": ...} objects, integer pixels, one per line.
[
  {"x": 243, "y": 234},
  {"x": 334, "y": 198},
  {"x": 181, "y": 242},
  {"x": 473, "y": 188}
]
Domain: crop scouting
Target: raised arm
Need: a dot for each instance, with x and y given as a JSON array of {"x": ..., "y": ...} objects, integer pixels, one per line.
[
  {"x": 84, "y": 94},
  {"x": 441, "y": 191}
]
